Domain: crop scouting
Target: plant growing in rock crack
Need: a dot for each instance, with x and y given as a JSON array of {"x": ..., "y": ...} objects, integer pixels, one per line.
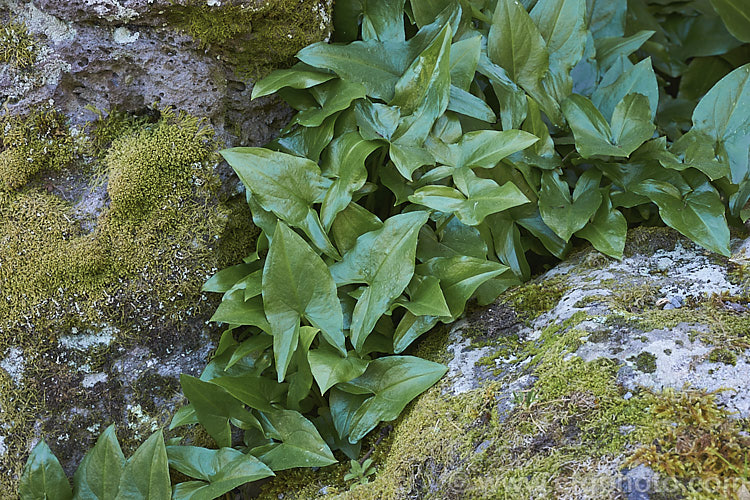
[
  {"x": 436, "y": 149},
  {"x": 360, "y": 472}
]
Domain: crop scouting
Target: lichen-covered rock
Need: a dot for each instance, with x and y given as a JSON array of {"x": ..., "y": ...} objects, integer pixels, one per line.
[
  {"x": 196, "y": 55},
  {"x": 598, "y": 379}
]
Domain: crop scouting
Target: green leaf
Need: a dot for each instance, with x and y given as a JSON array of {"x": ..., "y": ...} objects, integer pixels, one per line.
[
  {"x": 219, "y": 471},
  {"x": 456, "y": 239},
  {"x": 407, "y": 159},
  {"x": 608, "y": 50},
  {"x": 566, "y": 215},
  {"x": 467, "y": 104},
  {"x": 329, "y": 367},
  {"x": 723, "y": 115},
  {"x": 213, "y": 406},
  {"x": 423, "y": 91},
  {"x": 293, "y": 77},
  {"x": 297, "y": 284},
  {"x": 344, "y": 161},
  {"x": 562, "y": 24},
  {"x": 285, "y": 185},
  {"x": 425, "y": 11},
  {"x": 426, "y": 297},
  {"x": 619, "y": 82},
  {"x": 463, "y": 61},
  {"x": 511, "y": 98},
  {"x": 698, "y": 214},
  {"x": 256, "y": 391},
  {"x": 350, "y": 224},
  {"x": 375, "y": 120},
  {"x": 383, "y": 20},
  {"x": 225, "y": 279},
  {"x": 98, "y": 474},
  {"x": 736, "y": 17},
  {"x": 409, "y": 329},
  {"x": 43, "y": 477},
  {"x": 606, "y": 17},
  {"x": 480, "y": 197},
  {"x": 460, "y": 277},
  {"x": 235, "y": 310},
  {"x": 515, "y": 44},
  {"x": 607, "y": 230},
  {"x": 146, "y": 473},
  {"x": 384, "y": 260},
  {"x": 301, "y": 444},
  {"x": 631, "y": 126},
  {"x": 486, "y": 148},
  {"x": 308, "y": 142},
  {"x": 376, "y": 65},
  {"x": 255, "y": 343},
  {"x": 506, "y": 237},
  {"x": 333, "y": 96},
  {"x": 394, "y": 381}
]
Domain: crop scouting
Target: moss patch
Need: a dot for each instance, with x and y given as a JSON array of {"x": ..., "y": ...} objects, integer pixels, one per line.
[
  {"x": 259, "y": 37},
  {"x": 17, "y": 46}
]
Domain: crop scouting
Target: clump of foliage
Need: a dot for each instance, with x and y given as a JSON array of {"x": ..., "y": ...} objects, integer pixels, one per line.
[
  {"x": 41, "y": 141},
  {"x": 18, "y": 48},
  {"x": 434, "y": 151}
]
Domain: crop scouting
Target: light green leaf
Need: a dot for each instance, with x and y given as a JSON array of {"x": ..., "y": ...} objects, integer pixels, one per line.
[
  {"x": 736, "y": 17},
  {"x": 219, "y": 471},
  {"x": 294, "y": 77},
  {"x": 98, "y": 474},
  {"x": 344, "y": 161},
  {"x": 146, "y": 473},
  {"x": 307, "y": 142},
  {"x": 486, "y": 148},
  {"x": 255, "y": 343},
  {"x": 425, "y": 11},
  {"x": 698, "y": 214},
  {"x": 407, "y": 159},
  {"x": 516, "y": 45},
  {"x": 330, "y": 368},
  {"x": 467, "y": 104},
  {"x": 297, "y": 284},
  {"x": 606, "y": 17},
  {"x": 301, "y": 444},
  {"x": 566, "y": 215},
  {"x": 463, "y": 61},
  {"x": 43, "y": 477},
  {"x": 384, "y": 260},
  {"x": 456, "y": 238},
  {"x": 460, "y": 277},
  {"x": 394, "y": 381},
  {"x": 225, "y": 279},
  {"x": 631, "y": 123},
  {"x": 508, "y": 246},
  {"x": 607, "y": 230},
  {"x": 511, "y": 98},
  {"x": 285, "y": 185}
]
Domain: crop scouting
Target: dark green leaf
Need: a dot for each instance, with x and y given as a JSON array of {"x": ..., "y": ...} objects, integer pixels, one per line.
[
  {"x": 375, "y": 120},
  {"x": 333, "y": 97},
  {"x": 409, "y": 329},
  {"x": 620, "y": 81},
  {"x": 98, "y": 474},
  {"x": 463, "y": 61},
  {"x": 383, "y": 20},
  {"x": 146, "y": 473},
  {"x": 608, "y": 50},
  {"x": 351, "y": 223},
  {"x": 226, "y": 278},
  {"x": 293, "y": 77},
  {"x": 330, "y": 368},
  {"x": 736, "y": 17},
  {"x": 426, "y": 297},
  {"x": 607, "y": 230},
  {"x": 301, "y": 444},
  {"x": 235, "y": 310},
  {"x": 566, "y": 215},
  {"x": 468, "y": 104},
  {"x": 384, "y": 260}
]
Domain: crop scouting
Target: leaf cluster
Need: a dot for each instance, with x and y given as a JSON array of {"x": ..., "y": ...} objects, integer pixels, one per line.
[{"x": 437, "y": 147}]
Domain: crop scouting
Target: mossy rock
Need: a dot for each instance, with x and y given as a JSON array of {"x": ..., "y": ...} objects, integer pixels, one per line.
[{"x": 550, "y": 395}]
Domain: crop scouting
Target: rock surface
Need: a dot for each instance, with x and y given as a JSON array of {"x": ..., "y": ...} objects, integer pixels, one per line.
[{"x": 582, "y": 384}]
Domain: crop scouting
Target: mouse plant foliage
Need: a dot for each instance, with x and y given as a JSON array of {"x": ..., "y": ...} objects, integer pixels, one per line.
[{"x": 438, "y": 146}]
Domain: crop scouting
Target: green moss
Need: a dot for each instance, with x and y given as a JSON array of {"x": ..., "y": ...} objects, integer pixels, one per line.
[
  {"x": 110, "y": 125},
  {"x": 257, "y": 38},
  {"x": 533, "y": 299},
  {"x": 647, "y": 240},
  {"x": 38, "y": 142},
  {"x": 17, "y": 46},
  {"x": 721, "y": 355},
  {"x": 137, "y": 273},
  {"x": 645, "y": 362}
]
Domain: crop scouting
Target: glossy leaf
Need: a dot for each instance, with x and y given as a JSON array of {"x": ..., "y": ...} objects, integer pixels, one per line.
[
  {"x": 333, "y": 96},
  {"x": 607, "y": 230},
  {"x": 329, "y": 367},
  {"x": 146, "y": 473},
  {"x": 566, "y": 214},
  {"x": 98, "y": 474},
  {"x": 297, "y": 78},
  {"x": 463, "y": 61},
  {"x": 384, "y": 260},
  {"x": 620, "y": 81},
  {"x": 736, "y": 17}
]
